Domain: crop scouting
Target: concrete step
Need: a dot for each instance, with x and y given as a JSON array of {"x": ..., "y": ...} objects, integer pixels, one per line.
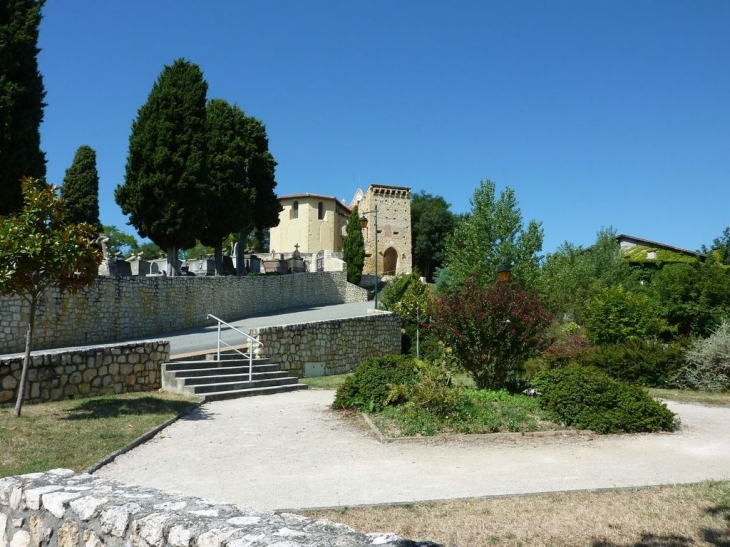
[
  {"x": 226, "y": 356},
  {"x": 226, "y": 371},
  {"x": 238, "y": 385},
  {"x": 240, "y": 377},
  {"x": 206, "y": 364},
  {"x": 226, "y": 379},
  {"x": 223, "y": 395},
  {"x": 203, "y": 370}
]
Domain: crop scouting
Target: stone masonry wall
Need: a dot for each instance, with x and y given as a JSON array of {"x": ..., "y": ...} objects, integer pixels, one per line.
[
  {"x": 121, "y": 308},
  {"x": 58, "y": 375},
  {"x": 330, "y": 347},
  {"x": 63, "y": 509}
]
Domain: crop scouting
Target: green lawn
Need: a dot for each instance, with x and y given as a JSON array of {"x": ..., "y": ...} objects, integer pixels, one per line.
[
  {"x": 77, "y": 433},
  {"x": 325, "y": 382}
]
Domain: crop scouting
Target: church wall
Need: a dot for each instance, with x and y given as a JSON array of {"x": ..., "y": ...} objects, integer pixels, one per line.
[{"x": 307, "y": 230}]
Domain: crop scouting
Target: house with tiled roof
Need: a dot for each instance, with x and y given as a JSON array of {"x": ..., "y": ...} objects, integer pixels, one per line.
[{"x": 636, "y": 249}]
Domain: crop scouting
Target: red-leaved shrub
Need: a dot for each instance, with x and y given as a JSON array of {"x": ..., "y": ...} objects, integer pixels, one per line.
[{"x": 493, "y": 330}]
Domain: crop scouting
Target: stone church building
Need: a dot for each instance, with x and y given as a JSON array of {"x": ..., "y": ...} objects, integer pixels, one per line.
[{"x": 313, "y": 223}]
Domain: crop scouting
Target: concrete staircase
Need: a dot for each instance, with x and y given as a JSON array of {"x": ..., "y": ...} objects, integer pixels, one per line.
[{"x": 226, "y": 379}]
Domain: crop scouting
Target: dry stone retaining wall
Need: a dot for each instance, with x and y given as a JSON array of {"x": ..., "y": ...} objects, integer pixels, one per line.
[
  {"x": 63, "y": 509},
  {"x": 122, "y": 308},
  {"x": 330, "y": 347},
  {"x": 58, "y": 375}
]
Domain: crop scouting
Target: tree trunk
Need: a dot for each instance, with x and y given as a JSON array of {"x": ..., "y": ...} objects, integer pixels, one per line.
[
  {"x": 173, "y": 268},
  {"x": 240, "y": 269},
  {"x": 219, "y": 258},
  {"x": 26, "y": 357}
]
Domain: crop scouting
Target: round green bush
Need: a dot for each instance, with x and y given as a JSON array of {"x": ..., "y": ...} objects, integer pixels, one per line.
[
  {"x": 650, "y": 363},
  {"x": 369, "y": 387},
  {"x": 588, "y": 398}
]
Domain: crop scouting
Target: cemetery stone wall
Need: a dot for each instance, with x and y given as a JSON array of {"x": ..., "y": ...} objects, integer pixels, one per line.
[{"x": 122, "y": 308}]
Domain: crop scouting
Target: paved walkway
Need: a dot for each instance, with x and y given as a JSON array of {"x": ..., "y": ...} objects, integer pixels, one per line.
[{"x": 290, "y": 451}]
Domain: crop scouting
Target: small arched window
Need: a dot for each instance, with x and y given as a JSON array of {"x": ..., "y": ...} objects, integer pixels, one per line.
[
  {"x": 295, "y": 210},
  {"x": 320, "y": 211}
]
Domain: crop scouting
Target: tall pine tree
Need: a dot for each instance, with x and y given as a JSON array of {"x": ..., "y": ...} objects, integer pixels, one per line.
[
  {"x": 80, "y": 188},
  {"x": 164, "y": 185},
  {"x": 353, "y": 248},
  {"x": 21, "y": 100}
]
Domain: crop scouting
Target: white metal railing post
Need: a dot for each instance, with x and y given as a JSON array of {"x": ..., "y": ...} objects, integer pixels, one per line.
[
  {"x": 250, "y": 363},
  {"x": 218, "y": 357},
  {"x": 252, "y": 343}
]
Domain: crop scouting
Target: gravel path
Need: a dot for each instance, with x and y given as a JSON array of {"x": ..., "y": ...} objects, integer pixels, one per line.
[{"x": 290, "y": 451}]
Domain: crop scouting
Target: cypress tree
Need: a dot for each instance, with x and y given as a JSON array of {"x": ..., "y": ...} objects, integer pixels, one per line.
[
  {"x": 261, "y": 178},
  {"x": 164, "y": 184},
  {"x": 353, "y": 248},
  {"x": 230, "y": 199},
  {"x": 80, "y": 188},
  {"x": 21, "y": 100}
]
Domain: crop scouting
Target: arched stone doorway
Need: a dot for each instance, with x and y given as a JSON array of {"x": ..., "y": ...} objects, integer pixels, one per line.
[{"x": 390, "y": 261}]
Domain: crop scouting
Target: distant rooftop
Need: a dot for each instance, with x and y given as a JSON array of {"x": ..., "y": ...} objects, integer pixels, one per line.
[{"x": 649, "y": 243}]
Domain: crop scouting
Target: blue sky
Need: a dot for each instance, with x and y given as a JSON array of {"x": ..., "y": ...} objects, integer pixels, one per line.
[{"x": 598, "y": 113}]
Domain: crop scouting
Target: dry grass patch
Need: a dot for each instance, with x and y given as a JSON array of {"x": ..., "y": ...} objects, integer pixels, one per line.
[
  {"x": 77, "y": 433},
  {"x": 689, "y": 396},
  {"x": 670, "y": 516}
]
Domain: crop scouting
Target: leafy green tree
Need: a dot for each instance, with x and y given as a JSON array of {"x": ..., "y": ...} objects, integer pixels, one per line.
[
  {"x": 196, "y": 251},
  {"x": 230, "y": 199},
  {"x": 720, "y": 248},
  {"x": 571, "y": 275},
  {"x": 259, "y": 240},
  {"x": 353, "y": 248},
  {"x": 491, "y": 235},
  {"x": 165, "y": 180},
  {"x": 261, "y": 171},
  {"x": 41, "y": 248},
  {"x": 149, "y": 251},
  {"x": 120, "y": 242},
  {"x": 615, "y": 315},
  {"x": 21, "y": 100},
  {"x": 431, "y": 223},
  {"x": 492, "y": 330},
  {"x": 413, "y": 309},
  {"x": 694, "y": 298},
  {"x": 80, "y": 187}
]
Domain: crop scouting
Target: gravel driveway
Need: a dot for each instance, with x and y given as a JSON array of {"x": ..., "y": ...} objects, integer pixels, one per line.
[{"x": 290, "y": 451}]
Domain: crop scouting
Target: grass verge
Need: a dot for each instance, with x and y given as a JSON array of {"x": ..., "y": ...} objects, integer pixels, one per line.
[
  {"x": 77, "y": 433},
  {"x": 668, "y": 516},
  {"x": 325, "y": 382},
  {"x": 688, "y": 396}
]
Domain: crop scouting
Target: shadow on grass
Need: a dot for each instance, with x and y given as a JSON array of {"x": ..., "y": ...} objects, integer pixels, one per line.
[
  {"x": 718, "y": 538},
  {"x": 650, "y": 540},
  {"x": 112, "y": 407}
]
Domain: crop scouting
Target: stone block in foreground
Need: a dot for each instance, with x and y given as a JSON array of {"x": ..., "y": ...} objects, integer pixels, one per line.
[{"x": 63, "y": 509}]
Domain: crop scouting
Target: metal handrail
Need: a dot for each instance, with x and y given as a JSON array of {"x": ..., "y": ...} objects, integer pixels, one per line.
[{"x": 251, "y": 341}]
